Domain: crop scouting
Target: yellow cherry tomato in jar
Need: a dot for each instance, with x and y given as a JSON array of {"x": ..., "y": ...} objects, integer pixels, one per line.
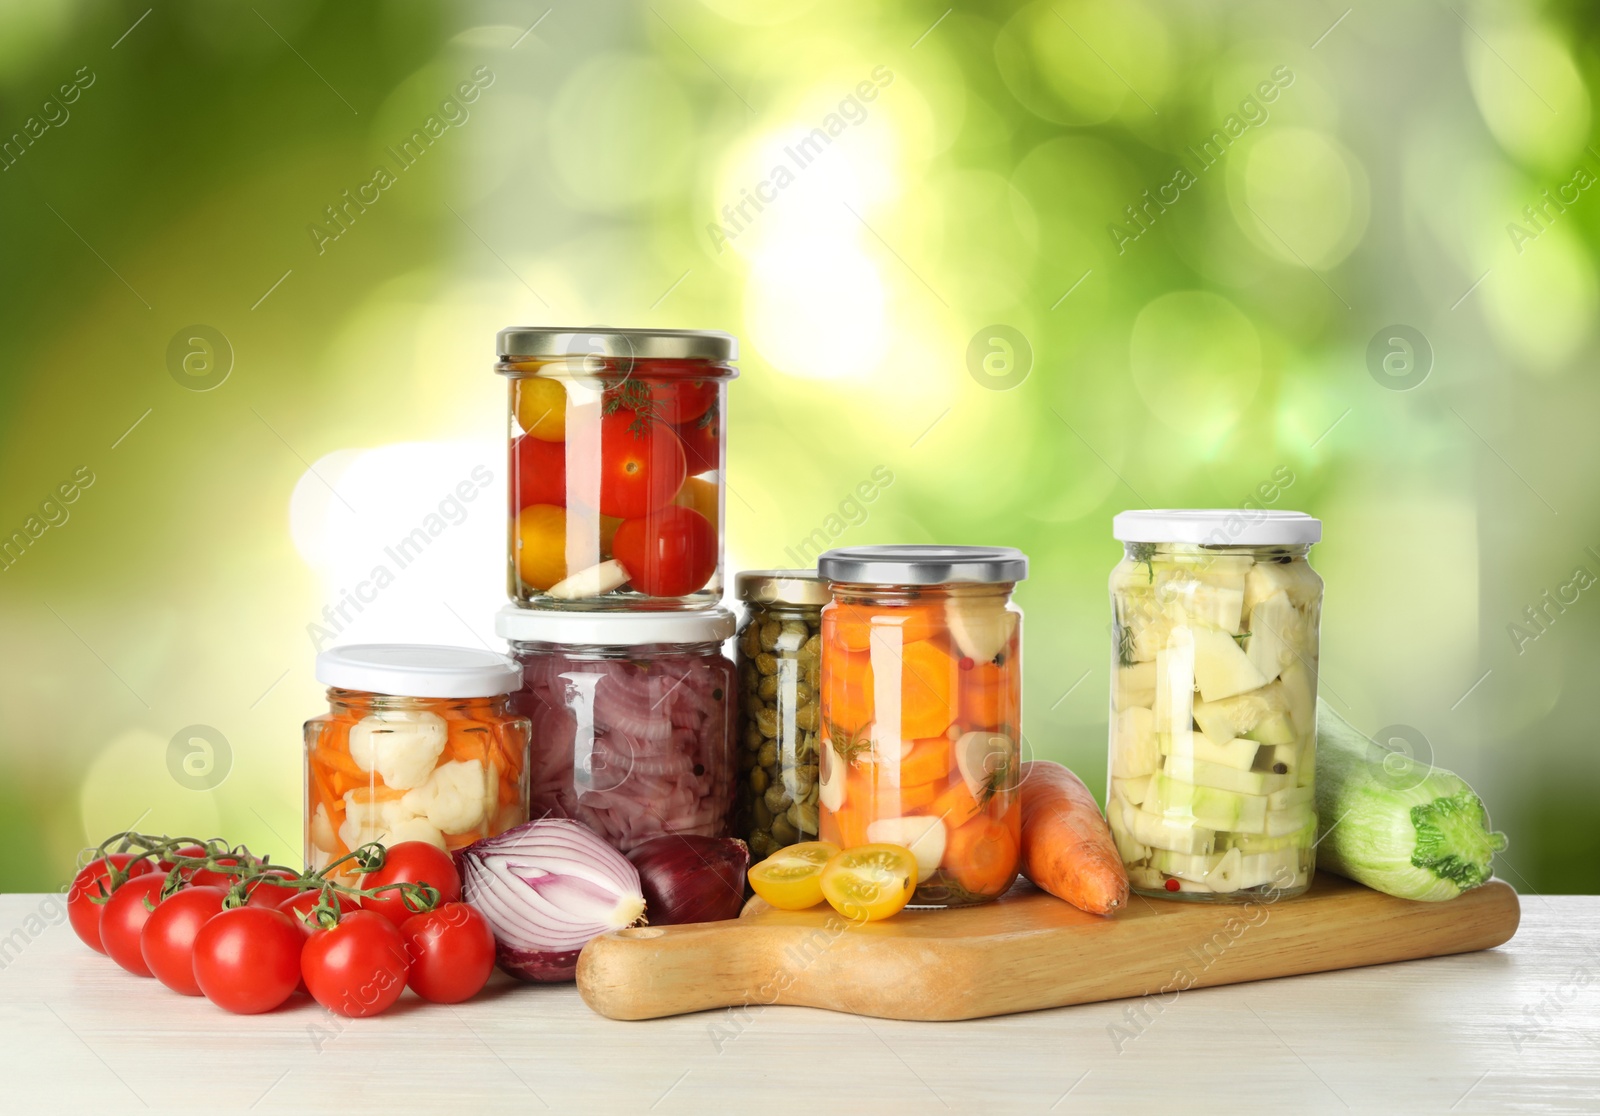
[
  {"x": 541, "y": 544},
  {"x": 541, "y": 407},
  {"x": 870, "y": 882},
  {"x": 791, "y": 878}
]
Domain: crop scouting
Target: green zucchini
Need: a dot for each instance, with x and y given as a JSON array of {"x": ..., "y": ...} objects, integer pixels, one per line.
[{"x": 1401, "y": 827}]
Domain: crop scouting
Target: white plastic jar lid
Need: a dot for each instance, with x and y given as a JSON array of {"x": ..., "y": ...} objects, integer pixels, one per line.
[
  {"x": 418, "y": 670},
  {"x": 1217, "y": 527},
  {"x": 613, "y": 629}
]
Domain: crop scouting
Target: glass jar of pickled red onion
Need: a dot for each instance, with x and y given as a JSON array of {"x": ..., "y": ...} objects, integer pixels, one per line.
[
  {"x": 633, "y": 719},
  {"x": 616, "y": 466},
  {"x": 922, "y": 712},
  {"x": 419, "y": 743}
]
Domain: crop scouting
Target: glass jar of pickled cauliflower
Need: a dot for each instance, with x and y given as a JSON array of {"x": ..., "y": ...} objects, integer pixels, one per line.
[
  {"x": 419, "y": 744},
  {"x": 633, "y": 719},
  {"x": 1213, "y": 702},
  {"x": 780, "y": 665},
  {"x": 922, "y": 712},
  {"x": 616, "y": 466}
]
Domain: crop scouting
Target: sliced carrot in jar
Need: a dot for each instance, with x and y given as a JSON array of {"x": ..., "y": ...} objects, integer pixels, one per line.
[
  {"x": 926, "y": 685},
  {"x": 912, "y": 800},
  {"x": 927, "y": 762},
  {"x": 853, "y": 624},
  {"x": 982, "y": 856},
  {"x": 955, "y": 804},
  {"x": 847, "y": 690},
  {"x": 985, "y": 696}
]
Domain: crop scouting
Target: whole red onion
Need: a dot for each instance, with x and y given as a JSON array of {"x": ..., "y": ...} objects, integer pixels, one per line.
[{"x": 690, "y": 878}]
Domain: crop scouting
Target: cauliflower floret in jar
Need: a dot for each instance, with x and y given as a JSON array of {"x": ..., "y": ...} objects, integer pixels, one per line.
[
  {"x": 322, "y": 835},
  {"x": 401, "y": 745},
  {"x": 456, "y": 796},
  {"x": 387, "y": 820}
]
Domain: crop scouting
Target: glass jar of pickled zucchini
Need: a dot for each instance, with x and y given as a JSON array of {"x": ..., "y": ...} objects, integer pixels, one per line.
[
  {"x": 615, "y": 438},
  {"x": 419, "y": 744},
  {"x": 922, "y": 712},
  {"x": 1213, "y": 702},
  {"x": 780, "y": 664}
]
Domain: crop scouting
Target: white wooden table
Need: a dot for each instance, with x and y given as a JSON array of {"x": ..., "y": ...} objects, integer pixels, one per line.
[{"x": 1513, "y": 1029}]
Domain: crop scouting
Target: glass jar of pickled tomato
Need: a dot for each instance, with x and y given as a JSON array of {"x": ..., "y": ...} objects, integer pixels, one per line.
[
  {"x": 780, "y": 664},
  {"x": 1213, "y": 703},
  {"x": 616, "y": 466},
  {"x": 633, "y": 719},
  {"x": 922, "y": 712},
  {"x": 419, "y": 744}
]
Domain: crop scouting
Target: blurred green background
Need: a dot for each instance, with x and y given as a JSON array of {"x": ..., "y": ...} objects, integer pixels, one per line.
[{"x": 1041, "y": 262}]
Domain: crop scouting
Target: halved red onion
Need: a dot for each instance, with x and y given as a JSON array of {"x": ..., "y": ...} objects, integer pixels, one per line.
[{"x": 547, "y": 888}]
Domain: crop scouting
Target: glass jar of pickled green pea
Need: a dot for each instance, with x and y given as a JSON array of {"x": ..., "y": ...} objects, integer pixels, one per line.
[{"x": 779, "y": 660}]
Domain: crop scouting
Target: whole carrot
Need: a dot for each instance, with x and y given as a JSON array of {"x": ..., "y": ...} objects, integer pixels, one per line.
[{"x": 1067, "y": 848}]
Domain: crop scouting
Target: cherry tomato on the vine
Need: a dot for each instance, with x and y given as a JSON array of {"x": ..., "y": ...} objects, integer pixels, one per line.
[
  {"x": 124, "y": 917},
  {"x": 411, "y": 862},
  {"x": 299, "y": 909},
  {"x": 166, "y": 863},
  {"x": 167, "y": 941},
  {"x": 92, "y": 882},
  {"x": 668, "y": 553},
  {"x": 265, "y": 891},
  {"x": 247, "y": 960},
  {"x": 210, "y": 877},
  {"x": 452, "y": 953},
  {"x": 357, "y": 968}
]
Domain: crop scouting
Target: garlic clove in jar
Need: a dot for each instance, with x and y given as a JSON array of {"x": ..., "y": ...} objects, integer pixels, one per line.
[{"x": 401, "y": 745}]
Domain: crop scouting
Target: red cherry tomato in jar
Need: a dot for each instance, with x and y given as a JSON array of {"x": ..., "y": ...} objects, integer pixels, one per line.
[
  {"x": 702, "y": 442},
  {"x": 668, "y": 553},
  {"x": 538, "y": 473},
  {"x": 357, "y": 968},
  {"x": 452, "y": 953},
  {"x": 92, "y": 882},
  {"x": 642, "y": 465},
  {"x": 124, "y": 917},
  {"x": 411, "y": 862},
  {"x": 678, "y": 400},
  {"x": 167, "y": 941},
  {"x": 247, "y": 960}
]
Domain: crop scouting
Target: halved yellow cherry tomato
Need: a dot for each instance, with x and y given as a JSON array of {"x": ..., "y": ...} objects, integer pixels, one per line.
[
  {"x": 791, "y": 878},
  {"x": 870, "y": 882}
]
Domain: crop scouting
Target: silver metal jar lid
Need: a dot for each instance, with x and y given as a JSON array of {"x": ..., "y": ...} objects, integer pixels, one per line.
[
  {"x": 789, "y": 587},
  {"x": 917, "y": 564},
  {"x": 626, "y": 344}
]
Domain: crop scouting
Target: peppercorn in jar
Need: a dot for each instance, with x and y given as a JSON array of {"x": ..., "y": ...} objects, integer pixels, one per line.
[{"x": 779, "y": 659}]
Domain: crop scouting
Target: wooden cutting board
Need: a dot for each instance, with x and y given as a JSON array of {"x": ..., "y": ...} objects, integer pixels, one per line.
[{"x": 1025, "y": 951}]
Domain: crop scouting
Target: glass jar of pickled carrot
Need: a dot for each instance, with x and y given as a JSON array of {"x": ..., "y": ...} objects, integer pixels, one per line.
[
  {"x": 633, "y": 719},
  {"x": 419, "y": 744},
  {"x": 616, "y": 466},
  {"x": 922, "y": 712},
  {"x": 1213, "y": 703}
]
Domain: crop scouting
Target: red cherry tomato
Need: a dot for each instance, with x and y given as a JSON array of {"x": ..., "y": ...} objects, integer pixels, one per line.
[
  {"x": 702, "y": 442},
  {"x": 166, "y": 862},
  {"x": 642, "y": 465},
  {"x": 411, "y": 862},
  {"x": 676, "y": 400},
  {"x": 538, "y": 472},
  {"x": 167, "y": 941},
  {"x": 263, "y": 891},
  {"x": 299, "y": 909},
  {"x": 668, "y": 553},
  {"x": 91, "y": 882},
  {"x": 452, "y": 953},
  {"x": 124, "y": 917},
  {"x": 210, "y": 877},
  {"x": 247, "y": 960},
  {"x": 357, "y": 968}
]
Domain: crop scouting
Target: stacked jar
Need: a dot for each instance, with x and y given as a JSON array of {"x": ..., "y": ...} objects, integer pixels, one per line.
[{"x": 614, "y": 568}]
